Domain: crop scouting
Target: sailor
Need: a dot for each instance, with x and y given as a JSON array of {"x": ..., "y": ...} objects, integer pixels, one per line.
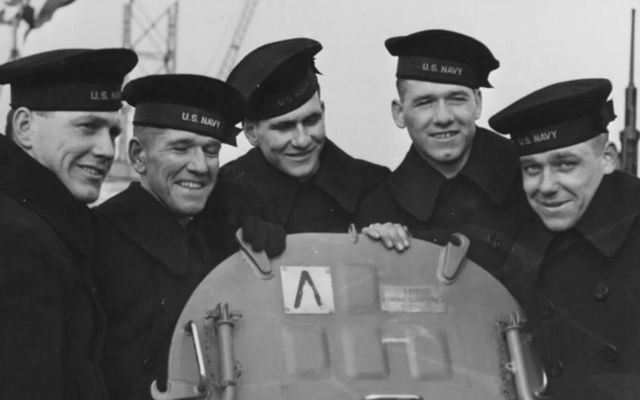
[
  {"x": 310, "y": 184},
  {"x": 456, "y": 177},
  {"x": 575, "y": 268},
  {"x": 153, "y": 245},
  {"x": 58, "y": 148}
]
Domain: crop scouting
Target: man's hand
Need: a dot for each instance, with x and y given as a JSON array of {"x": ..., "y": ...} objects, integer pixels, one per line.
[
  {"x": 392, "y": 236},
  {"x": 263, "y": 235}
]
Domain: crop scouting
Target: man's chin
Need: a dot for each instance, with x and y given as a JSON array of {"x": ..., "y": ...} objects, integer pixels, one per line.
[
  {"x": 85, "y": 194},
  {"x": 301, "y": 172},
  {"x": 558, "y": 224},
  {"x": 188, "y": 210}
]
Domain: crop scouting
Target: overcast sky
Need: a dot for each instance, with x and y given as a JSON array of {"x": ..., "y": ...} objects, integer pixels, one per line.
[{"x": 538, "y": 42}]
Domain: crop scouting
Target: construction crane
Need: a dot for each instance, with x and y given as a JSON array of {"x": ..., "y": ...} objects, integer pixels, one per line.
[
  {"x": 149, "y": 42},
  {"x": 629, "y": 135},
  {"x": 238, "y": 35}
]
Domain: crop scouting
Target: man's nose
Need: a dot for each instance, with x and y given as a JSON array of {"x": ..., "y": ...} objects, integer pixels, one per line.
[
  {"x": 197, "y": 162},
  {"x": 301, "y": 137},
  {"x": 443, "y": 115},
  {"x": 548, "y": 182},
  {"x": 104, "y": 145}
]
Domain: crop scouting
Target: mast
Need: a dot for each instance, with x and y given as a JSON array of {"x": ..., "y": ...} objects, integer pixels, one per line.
[{"x": 629, "y": 135}]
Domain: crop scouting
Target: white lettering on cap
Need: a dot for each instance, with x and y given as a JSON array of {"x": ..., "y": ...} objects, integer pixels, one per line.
[
  {"x": 451, "y": 70},
  {"x": 523, "y": 141},
  {"x": 102, "y": 95},
  {"x": 429, "y": 67},
  {"x": 212, "y": 122},
  {"x": 189, "y": 117},
  {"x": 544, "y": 136}
]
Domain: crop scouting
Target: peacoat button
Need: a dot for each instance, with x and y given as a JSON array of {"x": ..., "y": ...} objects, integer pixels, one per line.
[
  {"x": 548, "y": 310},
  {"x": 163, "y": 304},
  {"x": 556, "y": 368},
  {"x": 601, "y": 291},
  {"x": 610, "y": 353},
  {"x": 147, "y": 365},
  {"x": 493, "y": 241}
]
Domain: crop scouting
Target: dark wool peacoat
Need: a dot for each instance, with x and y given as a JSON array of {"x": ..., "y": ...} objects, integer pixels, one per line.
[
  {"x": 581, "y": 292},
  {"x": 484, "y": 200},
  {"x": 51, "y": 326},
  {"x": 326, "y": 202},
  {"x": 147, "y": 267}
]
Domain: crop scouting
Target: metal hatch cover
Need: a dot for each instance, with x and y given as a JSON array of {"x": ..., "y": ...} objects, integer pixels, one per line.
[{"x": 336, "y": 318}]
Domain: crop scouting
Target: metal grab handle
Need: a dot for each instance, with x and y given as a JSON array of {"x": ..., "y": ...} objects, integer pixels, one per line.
[
  {"x": 192, "y": 330},
  {"x": 258, "y": 261},
  {"x": 452, "y": 257},
  {"x": 186, "y": 390},
  {"x": 518, "y": 366},
  {"x": 392, "y": 397},
  {"x": 224, "y": 322}
]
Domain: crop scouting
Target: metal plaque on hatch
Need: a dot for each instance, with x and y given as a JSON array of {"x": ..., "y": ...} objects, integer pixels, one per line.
[{"x": 412, "y": 298}]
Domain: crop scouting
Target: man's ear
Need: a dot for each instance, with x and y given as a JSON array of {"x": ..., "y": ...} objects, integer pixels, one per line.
[
  {"x": 250, "y": 132},
  {"x": 23, "y": 126},
  {"x": 137, "y": 155},
  {"x": 478, "y": 95},
  {"x": 610, "y": 158},
  {"x": 397, "y": 112}
]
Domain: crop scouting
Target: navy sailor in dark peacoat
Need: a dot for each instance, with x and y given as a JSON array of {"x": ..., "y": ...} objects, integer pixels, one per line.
[
  {"x": 57, "y": 152},
  {"x": 307, "y": 182},
  {"x": 575, "y": 268},
  {"x": 456, "y": 177},
  {"x": 154, "y": 246}
]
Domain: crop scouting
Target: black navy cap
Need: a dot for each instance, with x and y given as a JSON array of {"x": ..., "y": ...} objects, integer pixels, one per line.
[
  {"x": 193, "y": 103},
  {"x": 558, "y": 115},
  {"x": 444, "y": 57},
  {"x": 69, "y": 79},
  {"x": 278, "y": 77}
]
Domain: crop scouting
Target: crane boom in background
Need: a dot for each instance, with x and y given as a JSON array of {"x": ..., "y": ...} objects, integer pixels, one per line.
[{"x": 241, "y": 28}]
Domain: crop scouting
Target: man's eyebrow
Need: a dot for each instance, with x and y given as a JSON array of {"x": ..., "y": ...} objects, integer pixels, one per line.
[
  {"x": 94, "y": 119},
  {"x": 457, "y": 93},
  {"x": 526, "y": 160},
  {"x": 422, "y": 97},
  {"x": 181, "y": 141},
  {"x": 563, "y": 155},
  {"x": 315, "y": 114},
  {"x": 283, "y": 122}
]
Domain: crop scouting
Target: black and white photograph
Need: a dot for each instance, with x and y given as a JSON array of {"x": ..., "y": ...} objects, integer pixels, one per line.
[{"x": 319, "y": 199}]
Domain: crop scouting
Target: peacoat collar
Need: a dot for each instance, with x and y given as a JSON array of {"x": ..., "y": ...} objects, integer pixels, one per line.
[
  {"x": 338, "y": 176},
  {"x": 492, "y": 166},
  {"x": 39, "y": 189},
  {"x": 612, "y": 212},
  {"x": 606, "y": 223},
  {"x": 151, "y": 225}
]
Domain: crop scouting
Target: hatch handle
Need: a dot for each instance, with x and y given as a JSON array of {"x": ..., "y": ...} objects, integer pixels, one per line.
[
  {"x": 513, "y": 333},
  {"x": 259, "y": 262},
  {"x": 181, "y": 389},
  {"x": 452, "y": 258},
  {"x": 224, "y": 322}
]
